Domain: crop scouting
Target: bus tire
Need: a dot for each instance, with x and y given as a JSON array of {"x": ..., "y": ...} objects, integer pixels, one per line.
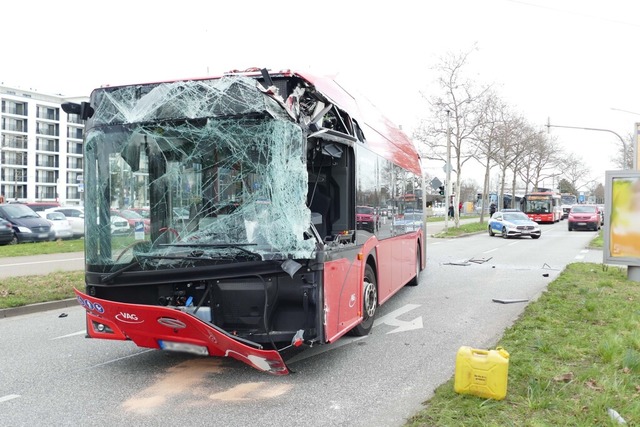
[
  {"x": 369, "y": 303},
  {"x": 416, "y": 280}
]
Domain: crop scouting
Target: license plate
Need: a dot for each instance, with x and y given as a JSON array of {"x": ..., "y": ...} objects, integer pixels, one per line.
[
  {"x": 582, "y": 223},
  {"x": 43, "y": 235}
]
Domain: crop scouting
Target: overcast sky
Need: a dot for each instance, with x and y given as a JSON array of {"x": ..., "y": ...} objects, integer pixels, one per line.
[{"x": 573, "y": 61}]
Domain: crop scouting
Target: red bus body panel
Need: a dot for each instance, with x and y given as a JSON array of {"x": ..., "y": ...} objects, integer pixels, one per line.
[{"x": 147, "y": 325}]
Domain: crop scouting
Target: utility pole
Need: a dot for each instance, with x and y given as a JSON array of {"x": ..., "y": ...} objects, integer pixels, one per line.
[{"x": 447, "y": 187}]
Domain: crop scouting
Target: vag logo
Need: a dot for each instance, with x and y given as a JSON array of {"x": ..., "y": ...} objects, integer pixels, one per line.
[{"x": 128, "y": 317}]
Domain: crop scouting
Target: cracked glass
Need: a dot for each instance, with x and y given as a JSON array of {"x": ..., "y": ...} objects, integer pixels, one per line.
[{"x": 194, "y": 172}]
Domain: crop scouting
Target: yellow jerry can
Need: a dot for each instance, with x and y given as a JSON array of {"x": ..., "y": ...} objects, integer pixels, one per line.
[{"x": 482, "y": 373}]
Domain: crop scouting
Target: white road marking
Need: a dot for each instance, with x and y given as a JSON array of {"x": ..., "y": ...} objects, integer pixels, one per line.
[
  {"x": 490, "y": 250},
  {"x": 9, "y": 397},
  {"x": 118, "y": 359},
  {"x": 401, "y": 325},
  {"x": 69, "y": 335}
]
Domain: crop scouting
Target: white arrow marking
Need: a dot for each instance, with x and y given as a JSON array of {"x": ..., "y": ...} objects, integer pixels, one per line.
[{"x": 401, "y": 325}]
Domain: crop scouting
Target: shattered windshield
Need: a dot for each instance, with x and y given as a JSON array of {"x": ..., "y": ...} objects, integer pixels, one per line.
[{"x": 217, "y": 167}]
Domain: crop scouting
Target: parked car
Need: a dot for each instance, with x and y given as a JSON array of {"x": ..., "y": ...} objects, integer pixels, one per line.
[
  {"x": 119, "y": 225},
  {"x": 75, "y": 216},
  {"x": 133, "y": 217},
  {"x": 41, "y": 206},
  {"x": 143, "y": 212},
  {"x": 59, "y": 224},
  {"x": 6, "y": 232},
  {"x": 27, "y": 225},
  {"x": 513, "y": 223},
  {"x": 366, "y": 219},
  {"x": 586, "y": 217}
]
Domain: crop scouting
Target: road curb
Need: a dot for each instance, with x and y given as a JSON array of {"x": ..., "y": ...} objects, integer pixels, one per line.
[{"x": 37, "y": 308}]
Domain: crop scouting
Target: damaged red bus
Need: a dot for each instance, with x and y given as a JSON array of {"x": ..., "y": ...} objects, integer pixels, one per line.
[{"x": 251, "y": 182}]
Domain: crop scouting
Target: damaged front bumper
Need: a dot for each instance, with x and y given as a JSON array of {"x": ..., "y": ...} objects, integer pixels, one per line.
[{"x": 172, "y": 329}]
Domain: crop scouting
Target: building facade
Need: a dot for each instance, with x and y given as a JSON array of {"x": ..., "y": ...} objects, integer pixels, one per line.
[{"x": 40, "y": 148}]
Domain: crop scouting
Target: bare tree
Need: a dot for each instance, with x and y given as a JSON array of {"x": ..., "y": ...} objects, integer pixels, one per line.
[
  {"x": 458, "y": 106},
  {"x": 574, "y": 169},
  {"x": 520, "y": 147},
  {"x": 624, "y": 156},
  {"x": 486, "y": 140},
  {"x": 540, "y": 161}
]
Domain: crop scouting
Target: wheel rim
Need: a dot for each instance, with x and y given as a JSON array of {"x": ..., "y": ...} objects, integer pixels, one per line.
[{"x": 370, "y": 299}]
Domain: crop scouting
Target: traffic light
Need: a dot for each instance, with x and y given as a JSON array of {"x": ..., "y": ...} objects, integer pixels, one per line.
[{"x": 441, "y": 190}]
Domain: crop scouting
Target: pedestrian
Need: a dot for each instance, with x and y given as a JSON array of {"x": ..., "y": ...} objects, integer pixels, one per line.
[
  {"x": 492, "y": 208},
  {"x": 451, "y": 210}
]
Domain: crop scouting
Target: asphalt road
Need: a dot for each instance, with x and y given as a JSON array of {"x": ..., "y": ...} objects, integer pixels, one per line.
[
  {"x": 51, "y": 375},
  {"x": 41, "y": 264}
]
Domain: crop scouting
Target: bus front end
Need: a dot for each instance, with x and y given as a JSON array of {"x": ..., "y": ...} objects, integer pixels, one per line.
[{"x": 222, "y": 258}]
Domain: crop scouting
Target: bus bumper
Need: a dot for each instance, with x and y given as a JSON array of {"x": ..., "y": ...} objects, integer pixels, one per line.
[{"x": 172, "y": 329}]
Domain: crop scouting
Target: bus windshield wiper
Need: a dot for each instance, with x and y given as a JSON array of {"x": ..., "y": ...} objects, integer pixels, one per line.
[
  {"x": 135, "y": 262},
  {"x": 239, "y": 246}
]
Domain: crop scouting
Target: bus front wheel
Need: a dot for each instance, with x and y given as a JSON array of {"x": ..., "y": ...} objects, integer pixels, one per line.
[
  {"x": 416, "y": 280},
  {"x": 369, "y": 303}
]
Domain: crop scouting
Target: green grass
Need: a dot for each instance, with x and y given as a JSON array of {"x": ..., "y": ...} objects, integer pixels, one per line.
[
  {"x": 462, "y": 229},
  {"x": 574, "y": 353},
  {"x": 25, "y": 290}
]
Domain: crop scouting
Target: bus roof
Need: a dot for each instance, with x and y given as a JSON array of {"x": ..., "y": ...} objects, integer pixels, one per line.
[{"x": 382, "y": 136}]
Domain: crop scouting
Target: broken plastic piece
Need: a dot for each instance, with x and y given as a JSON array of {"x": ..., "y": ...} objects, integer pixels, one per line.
[
  {"x": 508, "y": 301},
  {"x": 298, "y": 338},
  {"x": 616, "y": 416}
]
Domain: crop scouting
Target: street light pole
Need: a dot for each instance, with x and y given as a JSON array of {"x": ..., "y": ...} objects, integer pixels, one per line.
[
  {"x": 624, "y": 144},
  {"x": 447, "y": 188}
]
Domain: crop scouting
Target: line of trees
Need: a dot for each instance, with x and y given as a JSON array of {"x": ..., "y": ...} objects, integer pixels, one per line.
[{"x": 483, "y": 128}]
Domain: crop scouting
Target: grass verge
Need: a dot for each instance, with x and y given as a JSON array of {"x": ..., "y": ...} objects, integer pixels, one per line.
[
  {"x": 25, "y": 290},
  {"x": 462, "y": 229},
  {"x": 574, "y": 353}
]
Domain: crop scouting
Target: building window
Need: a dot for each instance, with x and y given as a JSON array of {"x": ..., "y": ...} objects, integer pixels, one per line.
[
  {"x": 14, "y": 141},
  {"x": 47, "y": 129},
  {"x": 48, "y": 113},
  {"x": 16, "y": 125},
  {"x": 47, "y": 161},
  {"x": 12, "y": 107},
  {"x": 45, "y": 144}
]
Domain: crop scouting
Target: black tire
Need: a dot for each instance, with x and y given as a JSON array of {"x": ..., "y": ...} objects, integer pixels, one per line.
[
  {"x": 416, "y": 280},
  {"x": 491, "y": 233},
  {"x": 504, "y": 233},
  {"x": 570, "y": 229},
  {"x": 369, "y": 303},
  {"x": 535, "y": 236}
]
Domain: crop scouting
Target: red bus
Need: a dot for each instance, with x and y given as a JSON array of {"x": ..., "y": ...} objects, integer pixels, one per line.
[
  {"x": 543, "y": 206},
  {"x": 251, "y": 181}
]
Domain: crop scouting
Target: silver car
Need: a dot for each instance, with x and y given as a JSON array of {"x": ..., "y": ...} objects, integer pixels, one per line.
[{"x": 513, "y": 224}]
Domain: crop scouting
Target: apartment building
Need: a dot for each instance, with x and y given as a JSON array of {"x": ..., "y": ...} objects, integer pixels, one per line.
[{"x": 40, "y": 148}]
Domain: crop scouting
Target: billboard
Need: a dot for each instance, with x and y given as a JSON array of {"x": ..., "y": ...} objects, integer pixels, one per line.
[{"x": 622, "y": 218}]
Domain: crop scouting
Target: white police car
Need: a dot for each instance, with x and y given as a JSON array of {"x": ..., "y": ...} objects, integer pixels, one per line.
[{"x": 513, "y": 223}]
